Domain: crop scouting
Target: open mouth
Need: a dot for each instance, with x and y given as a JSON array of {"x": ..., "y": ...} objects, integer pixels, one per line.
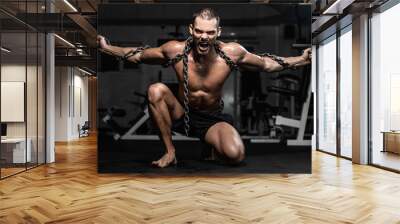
[{"x": 203, "y": 46}]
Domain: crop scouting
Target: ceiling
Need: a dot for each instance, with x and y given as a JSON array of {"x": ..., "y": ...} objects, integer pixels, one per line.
[{"x": 77, "y": 22}]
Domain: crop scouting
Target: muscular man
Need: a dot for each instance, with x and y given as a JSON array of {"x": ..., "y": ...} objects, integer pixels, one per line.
[{"x": 202, "y": 64}]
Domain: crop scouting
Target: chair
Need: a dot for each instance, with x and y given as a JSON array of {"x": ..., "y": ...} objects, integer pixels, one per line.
[{"x": 84, "y": 130}]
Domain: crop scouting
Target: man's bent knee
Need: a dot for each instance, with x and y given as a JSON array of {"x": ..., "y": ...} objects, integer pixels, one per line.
[
  {"x": 156, "y": 92},
  {"x": 235, "y": 153}
]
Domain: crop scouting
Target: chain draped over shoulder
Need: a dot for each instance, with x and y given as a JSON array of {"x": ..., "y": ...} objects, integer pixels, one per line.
[{"x": 184, "y": 57}]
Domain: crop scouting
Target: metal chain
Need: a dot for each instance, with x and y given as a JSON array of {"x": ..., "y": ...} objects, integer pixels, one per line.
[
  {"x": 127, "y": 55},
  {"x": 173, "y": 61},
  {"x": 221, "y": 105},
  {"x": 232, "y": 65},
  {"x": 278, "y": 59},
  {"x": 185, "y": 58},
  {"x": 134, "y": 52},
  {"x": 228, "y": 60}
]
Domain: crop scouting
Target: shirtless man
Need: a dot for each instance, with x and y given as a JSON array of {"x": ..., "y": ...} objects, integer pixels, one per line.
[{"x": 202, "y": 64}]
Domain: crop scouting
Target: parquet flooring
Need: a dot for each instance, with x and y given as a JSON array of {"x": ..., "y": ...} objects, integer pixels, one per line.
[
  {"x": 71, "y": 191},
  {"x": 10, "y": 171}
]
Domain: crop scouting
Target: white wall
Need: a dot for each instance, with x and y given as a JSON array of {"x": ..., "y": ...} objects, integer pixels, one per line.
[
  {"x": 33, "y": 126},
  {"x": 71, "y": 93},
  {"x": 16, "y": 73},
  {"x": 62, "y": 82},
  {"x": 79, "y": 117}
]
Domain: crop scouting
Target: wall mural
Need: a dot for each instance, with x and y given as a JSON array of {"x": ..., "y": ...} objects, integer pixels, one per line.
[{"x": 198, "y": 88}]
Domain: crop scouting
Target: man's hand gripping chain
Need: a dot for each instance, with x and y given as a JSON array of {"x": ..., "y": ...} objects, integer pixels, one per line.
[{"x": 126, "y": 56}]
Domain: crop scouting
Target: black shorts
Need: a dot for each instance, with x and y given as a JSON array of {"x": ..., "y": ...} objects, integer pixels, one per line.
[{"x": 200, "y": 122}]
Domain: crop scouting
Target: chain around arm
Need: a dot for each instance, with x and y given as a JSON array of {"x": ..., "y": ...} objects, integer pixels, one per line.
[
  {"x": 173, "y": 61},
  {"x": 127, "y": 55},
  {"x": 132, "y": 53},
  {"x": 277, "y": 59}
]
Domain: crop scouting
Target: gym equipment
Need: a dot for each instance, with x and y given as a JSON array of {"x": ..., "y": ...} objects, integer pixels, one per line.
[
  {"x": 266, "y": 122},
  {"x": 139, "y": 120},
  {"x": 256, "y": 111},
  {"x": 303, "y": 94},
  {"x": 142, "y": 119},
  {"x": 108, "y": 119},
  {"x": 299, "y": 124},
  {"x": 257, "y": 116}
]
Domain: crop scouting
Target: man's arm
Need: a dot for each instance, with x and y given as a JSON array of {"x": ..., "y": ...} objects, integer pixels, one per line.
[
  {"x": 250, "y": 61},
  {"x": 157, "y": 55}
]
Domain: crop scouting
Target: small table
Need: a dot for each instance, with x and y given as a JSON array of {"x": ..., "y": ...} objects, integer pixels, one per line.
[{"x": 391, "y": 141}]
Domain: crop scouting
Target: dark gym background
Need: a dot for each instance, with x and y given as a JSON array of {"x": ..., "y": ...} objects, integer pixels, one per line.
[{"x": 252, "y": 98}]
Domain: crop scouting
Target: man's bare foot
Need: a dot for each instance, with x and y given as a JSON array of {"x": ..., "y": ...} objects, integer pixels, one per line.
[{"x": 167, "y": 159}]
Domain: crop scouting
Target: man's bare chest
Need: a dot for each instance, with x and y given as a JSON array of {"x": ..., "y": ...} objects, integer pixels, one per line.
[{"x": 205, "y": 77}]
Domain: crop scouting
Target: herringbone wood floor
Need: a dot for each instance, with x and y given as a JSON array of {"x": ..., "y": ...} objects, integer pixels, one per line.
[{"x": 71, "y": 191}]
